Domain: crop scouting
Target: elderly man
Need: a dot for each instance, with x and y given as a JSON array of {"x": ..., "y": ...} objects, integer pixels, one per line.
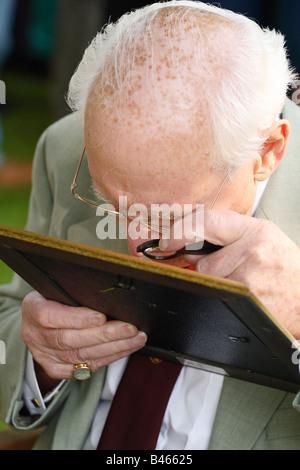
[{"x": 179, "y": 102}]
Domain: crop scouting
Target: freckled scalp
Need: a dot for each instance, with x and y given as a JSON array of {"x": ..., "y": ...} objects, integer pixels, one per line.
[
  {"x": 184, "y": 55},
  {"x": 160, "y": 96},
  {"x": 172, "y": 47},
  {"x": 160, "y": 79}
]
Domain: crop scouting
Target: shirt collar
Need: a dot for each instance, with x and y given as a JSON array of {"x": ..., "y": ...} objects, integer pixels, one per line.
[{"x": 259, "y": 193}]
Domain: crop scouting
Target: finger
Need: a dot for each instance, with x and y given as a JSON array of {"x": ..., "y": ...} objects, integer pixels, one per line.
[
  {"x": 50, "y": 314},
  {"x": 222, "y": 263},
  {"x": 226, "y": 227},
  {"x": 62, "y": 367},
  {"x": 97, "y": 355},
  {"x": 187, "y": 230},
  {"x": 64, "y": 339},
  {"x": 220, "y": 228}
]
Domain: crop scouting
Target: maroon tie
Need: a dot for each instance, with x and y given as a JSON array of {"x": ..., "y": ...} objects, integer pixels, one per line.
[{"x": 138, "y": 408}]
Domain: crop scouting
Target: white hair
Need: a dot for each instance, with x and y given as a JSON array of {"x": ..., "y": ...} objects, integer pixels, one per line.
[{"x": 239, "y": 70}]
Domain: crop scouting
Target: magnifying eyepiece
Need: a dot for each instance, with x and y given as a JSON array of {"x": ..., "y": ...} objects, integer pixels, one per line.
[{"x": 151, "y": 250}]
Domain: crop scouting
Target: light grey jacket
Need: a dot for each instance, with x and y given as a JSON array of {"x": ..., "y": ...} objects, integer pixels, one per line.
[{"x": 248, "y": 416}]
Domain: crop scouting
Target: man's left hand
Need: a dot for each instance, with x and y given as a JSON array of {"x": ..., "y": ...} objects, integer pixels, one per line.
[{"x": 258, "y": 254}]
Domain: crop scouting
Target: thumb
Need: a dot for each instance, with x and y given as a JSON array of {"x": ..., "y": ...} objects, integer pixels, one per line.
[
  {"x": 186, "y": 230},
  {"x": 220, "y": 227}
]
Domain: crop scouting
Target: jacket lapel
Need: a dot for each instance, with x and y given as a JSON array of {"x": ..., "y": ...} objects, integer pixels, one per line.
[
  {"x": 78, "y": 413},
  {"x": 244, "y": 411}
]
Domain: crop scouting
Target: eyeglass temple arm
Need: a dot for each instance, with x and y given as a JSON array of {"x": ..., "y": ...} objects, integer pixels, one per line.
[
  {"x": 73, "y": 187},
  {"x": 74, "y": 183},
  {"x": 219, "y": 192}
]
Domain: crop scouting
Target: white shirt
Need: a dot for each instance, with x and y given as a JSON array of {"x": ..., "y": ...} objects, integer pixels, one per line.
[{"x": 190, "y": 413}]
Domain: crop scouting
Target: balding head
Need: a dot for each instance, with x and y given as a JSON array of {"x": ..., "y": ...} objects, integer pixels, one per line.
[
  {"x": 190, "y": 60},
  {"x": 160, "y": 88}
]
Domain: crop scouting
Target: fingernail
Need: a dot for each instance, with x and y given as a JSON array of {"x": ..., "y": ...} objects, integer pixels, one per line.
[
  {"x": 142, "y": 335},
  {"x": 98, "y": 319},
  {"x": 163, "y": 244},
  {"x": 128, "y": 330}
]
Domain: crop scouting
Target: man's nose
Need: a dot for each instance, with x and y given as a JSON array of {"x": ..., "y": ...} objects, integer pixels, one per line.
[
  {"x": 133, "y": 244},
  {"x": 138, "y": 236}
]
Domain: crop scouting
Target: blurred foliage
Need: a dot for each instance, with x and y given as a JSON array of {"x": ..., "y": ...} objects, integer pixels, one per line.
[
  {"x": 2, "y": 426},
  {"x": 13, "y": 212},
  {"x": 26, "y": 113},
  {"x": 24, "y": 118}
]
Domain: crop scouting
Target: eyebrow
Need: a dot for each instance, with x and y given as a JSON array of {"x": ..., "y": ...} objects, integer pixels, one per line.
[
  {"x": 152, "y": 213},
  {"x": 100, "y": 196},
  {"x": 168, "y": 215}
]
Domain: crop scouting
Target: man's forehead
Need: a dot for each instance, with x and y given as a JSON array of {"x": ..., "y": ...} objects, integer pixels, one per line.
[
  {"x": 152, "y": 162},
  {"x": 150, "y": 184},
  {"x": 148, "y": 135},
  {"x": 157, "y": 196},
  {"x": 155, "y": 205}
]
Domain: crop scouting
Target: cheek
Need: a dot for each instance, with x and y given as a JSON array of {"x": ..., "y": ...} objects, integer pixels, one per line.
[{"x": 245, "y": 202}]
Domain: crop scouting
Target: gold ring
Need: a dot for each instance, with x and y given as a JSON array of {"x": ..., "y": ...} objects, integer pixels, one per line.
[{"x": 81, "y": 371}]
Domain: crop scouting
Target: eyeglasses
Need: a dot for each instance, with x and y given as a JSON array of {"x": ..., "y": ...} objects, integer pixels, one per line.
[
  {"x": 105, "y": 211},
  {"x": 74, "y": 185},
  {"x": 151, "y": 248}
]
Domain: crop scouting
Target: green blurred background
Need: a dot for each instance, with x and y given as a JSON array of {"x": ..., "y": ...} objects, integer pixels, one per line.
[
  {"x": 22, "y": 124},
  {"x": 46, "y": 42}
]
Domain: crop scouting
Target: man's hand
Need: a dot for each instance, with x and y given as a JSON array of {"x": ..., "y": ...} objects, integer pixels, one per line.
[
  {"x": 258, "y": 254},
  {"x": 59, "y": 336}
]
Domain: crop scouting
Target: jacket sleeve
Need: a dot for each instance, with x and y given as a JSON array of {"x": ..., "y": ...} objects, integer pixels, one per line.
[{"x": 12, "y": 371}]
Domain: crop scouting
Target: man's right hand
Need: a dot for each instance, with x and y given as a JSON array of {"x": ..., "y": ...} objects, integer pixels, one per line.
[{"x": 59, "y": 336}]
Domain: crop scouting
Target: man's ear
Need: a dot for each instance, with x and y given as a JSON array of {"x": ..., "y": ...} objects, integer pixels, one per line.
[{"x": 273, "y": 150}]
